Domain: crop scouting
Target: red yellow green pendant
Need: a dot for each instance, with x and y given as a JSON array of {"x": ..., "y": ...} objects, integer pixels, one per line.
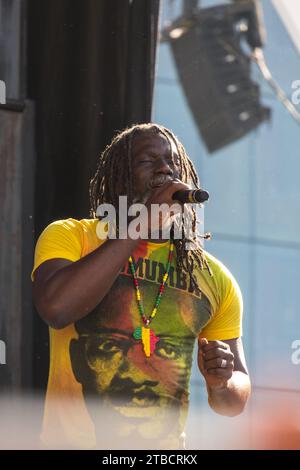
[
  {"x": 144, "y": 333},
  {"x": 148, "y": 337}
]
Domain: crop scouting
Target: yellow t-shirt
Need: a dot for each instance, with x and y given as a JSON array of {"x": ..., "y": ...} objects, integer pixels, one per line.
[{"x": 102, "y": 389}]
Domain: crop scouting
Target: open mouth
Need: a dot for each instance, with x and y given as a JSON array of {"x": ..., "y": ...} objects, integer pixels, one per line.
[{"x": 159, "y": 180}]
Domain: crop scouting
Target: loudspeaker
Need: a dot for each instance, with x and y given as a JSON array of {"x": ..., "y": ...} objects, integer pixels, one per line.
[{"x": 214, "y": 71}]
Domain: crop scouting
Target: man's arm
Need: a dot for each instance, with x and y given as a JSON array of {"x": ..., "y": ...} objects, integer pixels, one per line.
[
  {"x": 65, "y": 291},
  {"x": 228, "y": 387}
]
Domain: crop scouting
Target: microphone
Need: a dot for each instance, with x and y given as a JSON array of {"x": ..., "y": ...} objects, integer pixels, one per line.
[{"x": 190, "y": 195}]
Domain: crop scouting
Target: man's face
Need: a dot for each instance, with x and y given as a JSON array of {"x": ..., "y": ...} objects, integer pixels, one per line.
[
  {"x": 140, "y": 392},
  {"x": 152, "y": 155}
]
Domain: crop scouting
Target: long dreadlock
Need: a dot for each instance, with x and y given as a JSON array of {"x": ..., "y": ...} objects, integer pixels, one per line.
[{"x": 113, "y": 178}]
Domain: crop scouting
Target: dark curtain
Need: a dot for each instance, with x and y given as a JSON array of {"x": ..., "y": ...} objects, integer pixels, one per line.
[{"x": 90, "y": 70}]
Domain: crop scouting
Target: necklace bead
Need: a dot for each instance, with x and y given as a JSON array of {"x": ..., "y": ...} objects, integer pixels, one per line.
[{"x": 146, "y": 320}]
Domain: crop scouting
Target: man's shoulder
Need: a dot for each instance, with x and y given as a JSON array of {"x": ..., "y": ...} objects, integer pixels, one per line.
[
  {"x": 224, "y": 294},
  {"x": 221, "y": 277},
  {"x": 216, "y": 265},
  {"x": 72, "y": 224},
  {"x": 82, "y": 233},
  {"x": 66, "y": 238}
]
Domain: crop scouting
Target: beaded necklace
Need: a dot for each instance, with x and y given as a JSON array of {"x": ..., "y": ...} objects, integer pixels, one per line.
[{"x": 144, "y": 333}]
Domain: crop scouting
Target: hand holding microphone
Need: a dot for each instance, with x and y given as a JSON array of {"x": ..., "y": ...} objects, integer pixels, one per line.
[
  {"x": 164, "y": 189},
  {"x": 184, "y": 194}
]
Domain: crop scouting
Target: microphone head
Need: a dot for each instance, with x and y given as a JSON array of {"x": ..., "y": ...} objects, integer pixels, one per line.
[{"x": 200, "y": 195}]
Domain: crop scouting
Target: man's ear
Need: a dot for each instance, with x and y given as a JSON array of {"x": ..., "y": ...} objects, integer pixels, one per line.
[{"x": 77, "y": 356}]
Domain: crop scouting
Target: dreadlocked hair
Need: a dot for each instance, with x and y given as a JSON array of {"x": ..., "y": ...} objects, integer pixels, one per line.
[{"x": 114, "y": 171}]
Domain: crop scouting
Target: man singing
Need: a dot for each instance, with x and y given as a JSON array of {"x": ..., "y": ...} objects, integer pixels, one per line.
[{"x": 125, "y": 312}]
